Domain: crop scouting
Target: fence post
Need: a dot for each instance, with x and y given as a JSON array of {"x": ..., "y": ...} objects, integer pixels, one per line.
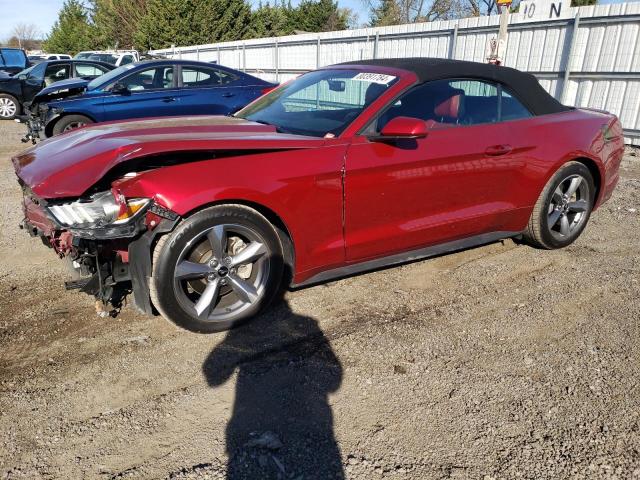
[
  {"x": 375, "y": 45},
  {"x": 567, "y": 66},
  {"x": 454, "y": 42},
  {"x": 318, "y": 52},
  {"x": 218, "y": 54},
  {"x": 244, "y": 57},
  {"x": 275, "y": 52}
]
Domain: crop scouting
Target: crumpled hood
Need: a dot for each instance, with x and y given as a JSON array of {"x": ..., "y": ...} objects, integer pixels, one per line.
[
  {"x": 68, "y": 165},
  {"x": 62, "y": 86}
]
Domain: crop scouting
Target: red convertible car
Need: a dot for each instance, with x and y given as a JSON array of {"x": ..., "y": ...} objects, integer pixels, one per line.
[{"x": 345, "y": 169}]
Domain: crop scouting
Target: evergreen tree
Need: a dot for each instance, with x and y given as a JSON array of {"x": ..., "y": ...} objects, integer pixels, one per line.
[
  {"x": 320, "y": 16},
  {"x": 116, "y": 21},
  {"x": 225, "y": 20},
  {"x": 72, "y": 31},
  {"x": 387, "y": 13}
]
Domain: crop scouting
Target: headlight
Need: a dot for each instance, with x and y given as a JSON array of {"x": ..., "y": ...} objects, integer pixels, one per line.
[{"x": 100, "y": 210}]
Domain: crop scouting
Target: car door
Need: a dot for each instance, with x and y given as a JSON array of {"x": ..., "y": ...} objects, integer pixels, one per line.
[
  {"x": 449, "y": 185},
  {"x": 149, "y": 92},
  {"x": 56, "y": 72},
  {"x": 208, "y": 91},
  {"x": 34, "y": 82}
]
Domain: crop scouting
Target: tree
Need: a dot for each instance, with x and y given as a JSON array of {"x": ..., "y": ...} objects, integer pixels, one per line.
[
  {"x": 582, "y": 3},
  {"x": 224, "y": 20},
  {"x": 26, "y": 35},
  {"x": 387, "y": 13},
  {"x": 72, "y": 32},
  {"x": 191, "y": 22},
  {"x": 271, "y": 21},
  {"x": 320, "y": 16},
  {"x": 116, "y": 21}
]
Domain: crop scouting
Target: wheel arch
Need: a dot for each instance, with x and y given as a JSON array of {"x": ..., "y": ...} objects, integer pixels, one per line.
[
  {"x": 283, "y": 231},
  {"x": 48, "y": 128},
  {"x": 594, "y": 169}
]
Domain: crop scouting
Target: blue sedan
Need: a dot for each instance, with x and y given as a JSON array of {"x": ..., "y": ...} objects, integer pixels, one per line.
[{"x": 152, "y": 88}]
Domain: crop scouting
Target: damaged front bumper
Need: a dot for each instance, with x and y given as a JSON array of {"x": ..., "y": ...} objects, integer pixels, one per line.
[
  {"x": 34, "y": 118},
  {"x": 110, "y": 263}
]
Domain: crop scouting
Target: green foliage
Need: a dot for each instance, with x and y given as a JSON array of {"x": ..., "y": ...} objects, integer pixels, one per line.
[
  {"x": 153, "y": 24},
  {"x": 72, "y": 32},
  {"x": 320, "y": 16},
  {"x": 116, "y": 22},
  {"x": 582, "y": 3},
  {"x": 387, "y": 13}
]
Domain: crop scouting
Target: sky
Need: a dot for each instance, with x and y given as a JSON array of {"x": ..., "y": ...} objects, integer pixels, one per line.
[{"x": 43, "y": 13}]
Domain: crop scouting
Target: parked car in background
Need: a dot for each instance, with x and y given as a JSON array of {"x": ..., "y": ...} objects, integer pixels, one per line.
[
  {"x": 152, "y": 88},
  {"x": 345, "y": 169},
  {"x": 22, "y": 87},
  {"x": 13, "y": 60},
  {"x": 34, "y": 59},
  {"x": 114, "y": 57}
]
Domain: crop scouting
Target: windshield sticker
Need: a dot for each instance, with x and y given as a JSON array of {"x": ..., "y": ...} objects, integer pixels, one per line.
[{"x": 380, "y": 78}]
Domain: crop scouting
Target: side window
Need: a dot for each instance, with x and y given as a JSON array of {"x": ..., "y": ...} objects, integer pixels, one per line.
[
  {"x": 150, "y": 79},
  {"x": 127, "y": 59},
  {"x": 480, "y": 101},
  {"x": 57, "y": 72},
  {"x": 89, "y": 70},
  {"x": 511, "y": 108},
  {"x": 194, "y": 77}
]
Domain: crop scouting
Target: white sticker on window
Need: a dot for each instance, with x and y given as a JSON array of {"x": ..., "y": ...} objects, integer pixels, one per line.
[{"x": 380, "y": 78}]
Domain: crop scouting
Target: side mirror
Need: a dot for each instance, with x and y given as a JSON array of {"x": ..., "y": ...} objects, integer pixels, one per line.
[
  {"x": 404, "y": 128},
  {"x": 120, "y": 88}
]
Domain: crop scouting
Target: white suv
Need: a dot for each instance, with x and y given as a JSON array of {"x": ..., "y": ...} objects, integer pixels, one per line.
[{"x": 114, "y": 57}]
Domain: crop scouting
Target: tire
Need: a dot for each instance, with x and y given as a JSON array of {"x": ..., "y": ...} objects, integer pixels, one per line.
[
  {"x": 9, "y": 107},
  {"x": 563, "y": 208},
  {"x": 202, "y": 259},
  {"x": 70, "y": 122}
]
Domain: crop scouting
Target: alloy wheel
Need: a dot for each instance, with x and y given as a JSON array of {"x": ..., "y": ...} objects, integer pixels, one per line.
[
  {"x": 73, "y": 126},
  {"x": 8, "y": 108},
  {"x": 222, "y": 272},
  {"x": 569, "y": 206}
]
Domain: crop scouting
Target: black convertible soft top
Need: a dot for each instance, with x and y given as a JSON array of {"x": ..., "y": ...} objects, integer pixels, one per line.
[{"x": 524, "y": 85}]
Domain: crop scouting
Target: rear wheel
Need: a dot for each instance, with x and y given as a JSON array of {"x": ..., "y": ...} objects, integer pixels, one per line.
[
  {"x": 9, "y": 107},
  {"x": 563, "y": 208},
  {"x": 220, "y": 267},
  {"x": 70, "y": 122}
]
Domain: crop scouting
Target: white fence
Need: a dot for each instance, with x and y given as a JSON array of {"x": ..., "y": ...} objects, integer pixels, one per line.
[{"x": 587, "y": 56}]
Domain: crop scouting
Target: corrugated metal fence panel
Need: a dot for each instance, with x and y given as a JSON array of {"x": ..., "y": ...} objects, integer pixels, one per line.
[{"x": 603, "y": 62}]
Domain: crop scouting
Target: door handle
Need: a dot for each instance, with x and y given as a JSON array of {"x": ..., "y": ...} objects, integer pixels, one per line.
[
  {"x": 228, "y": 94},
  {"x": 169, "y": 99},
  {"x": 497, "y": 150}
]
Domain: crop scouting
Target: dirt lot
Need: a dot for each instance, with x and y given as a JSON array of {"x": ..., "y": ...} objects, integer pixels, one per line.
[{"x": 498, "y": 362}]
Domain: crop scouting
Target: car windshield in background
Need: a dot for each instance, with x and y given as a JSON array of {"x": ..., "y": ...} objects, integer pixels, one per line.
[
  {"x": 83, "y": 55},
  {"x": 321, "y": 103},
  {"x": 104, "y": 57},
  {"x": 103, "y": 80}
]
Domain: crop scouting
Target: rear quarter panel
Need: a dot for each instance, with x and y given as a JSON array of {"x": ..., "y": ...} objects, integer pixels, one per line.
[{"x": 547, "y": 142}]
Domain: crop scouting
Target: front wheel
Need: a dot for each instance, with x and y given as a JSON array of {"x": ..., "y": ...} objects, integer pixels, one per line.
[
  {"x": 220, "y": 267},
  {"x": 70, "y": 122},
  {"x": 9, "y": 107},
  {"x": 563, "y": 208}
]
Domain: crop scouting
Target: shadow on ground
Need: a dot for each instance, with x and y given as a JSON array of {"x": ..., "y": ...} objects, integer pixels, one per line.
[{"x": 282, "y": 424}]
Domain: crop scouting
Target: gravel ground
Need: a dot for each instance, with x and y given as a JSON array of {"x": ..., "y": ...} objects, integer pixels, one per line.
[{"x": 497, "y": 362}]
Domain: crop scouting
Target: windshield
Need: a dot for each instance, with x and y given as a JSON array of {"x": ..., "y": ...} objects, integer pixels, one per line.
[
  {"x": 83, "y": 55},
  {"x": 102, "y": 80},
  {"x": 26, "y": 71},
  {"x": 321, "y": 103},
  {"x": 104, "y": 57}
]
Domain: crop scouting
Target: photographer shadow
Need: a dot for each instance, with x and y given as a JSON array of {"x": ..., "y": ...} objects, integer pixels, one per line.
[{"x": 282, "y": 423}]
